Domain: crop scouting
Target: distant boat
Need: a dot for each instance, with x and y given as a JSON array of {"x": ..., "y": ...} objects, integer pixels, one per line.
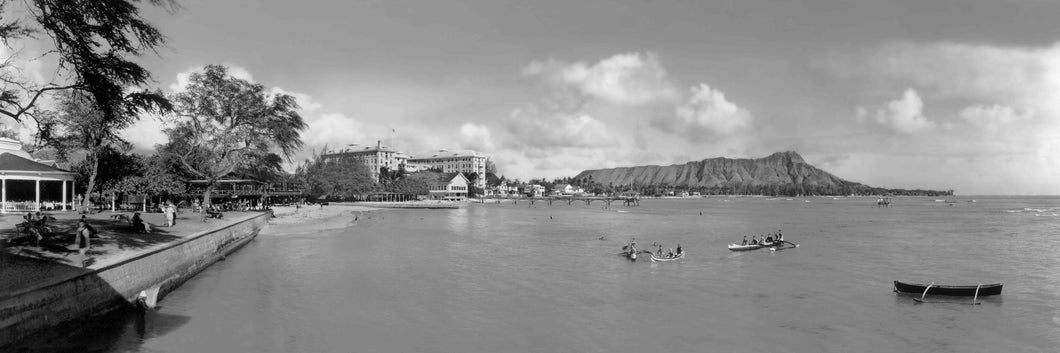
[
  {"x": 981, "y": 290},
  {"x": 739, "y": 247},
  {"x": 659, "y": 259}
]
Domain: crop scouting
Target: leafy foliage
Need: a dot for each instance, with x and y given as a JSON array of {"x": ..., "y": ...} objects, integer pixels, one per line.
[
  {"x": 156, "y": 176},
  {"x": 414, "y": 183},
  {"x": 93, "y": 39},
  {"x": 224, "y": 124},
  {"x": 337, "y": 179}
]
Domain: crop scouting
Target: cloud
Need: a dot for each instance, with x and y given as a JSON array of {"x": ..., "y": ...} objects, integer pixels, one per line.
[
  {"x": 551, "y": 130},
  {"x": 306, "y": 103},
  {"x": 905, "y": 114},
  {"x": 1017, "y": 76},
  {"x": 631, "y": 79},
  {"x": 476, "y": 137},
  {"x": 994, "y": 117},
  {"x": 183, "y": 79},
  {"x": 705, "y": 116}
]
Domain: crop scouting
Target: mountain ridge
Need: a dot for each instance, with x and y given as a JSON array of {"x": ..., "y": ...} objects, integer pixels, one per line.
[{"x": 780, "y": 173}]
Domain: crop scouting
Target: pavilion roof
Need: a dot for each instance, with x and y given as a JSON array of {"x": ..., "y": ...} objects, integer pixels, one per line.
[{"x": 9, "y": 162}]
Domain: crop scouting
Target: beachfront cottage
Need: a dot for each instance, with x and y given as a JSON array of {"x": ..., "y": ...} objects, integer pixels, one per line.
[
  {"x": 448, "y": 186},
  {"x": 29, "y": 185}
]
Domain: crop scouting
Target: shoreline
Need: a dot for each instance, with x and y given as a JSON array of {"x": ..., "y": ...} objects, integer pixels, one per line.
[{"x": 314, "y": 218}]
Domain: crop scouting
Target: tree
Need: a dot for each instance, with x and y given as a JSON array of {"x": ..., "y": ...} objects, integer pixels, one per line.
[
  {"x": 106, "y": 170},
  {"x": 224, "y": 123},
  {"x": 81, "y": 125},
  {"x": 93, "y": 39},
  {"x": 415, "y": 183},
  {"x": 337, "y": 179},
  {"x": 154, "y": 177}
]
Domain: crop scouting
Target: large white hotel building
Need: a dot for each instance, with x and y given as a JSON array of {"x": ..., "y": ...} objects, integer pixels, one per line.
[{"x": 467, "y": 162}]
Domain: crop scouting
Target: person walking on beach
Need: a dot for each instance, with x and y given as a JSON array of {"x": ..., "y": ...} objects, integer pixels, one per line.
[
  {"x": 171, "y": 214},
  {"x": 83, "y": 240}
]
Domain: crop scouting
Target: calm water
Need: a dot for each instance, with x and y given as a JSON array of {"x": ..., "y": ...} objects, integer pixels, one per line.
[{"x": 508, "y": 278}]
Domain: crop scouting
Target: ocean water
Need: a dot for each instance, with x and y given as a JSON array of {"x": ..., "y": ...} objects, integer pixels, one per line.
[{"x": 511, "y": 278}]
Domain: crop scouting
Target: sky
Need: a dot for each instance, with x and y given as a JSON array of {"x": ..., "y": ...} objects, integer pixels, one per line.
[{"x": 961, "y": 95}]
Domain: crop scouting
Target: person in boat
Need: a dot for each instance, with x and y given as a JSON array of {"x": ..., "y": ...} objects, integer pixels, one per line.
[
  {"x": 679, "y": 250},
  {"x": 633, "y": 246},
  {"x": 671, "y": 254},
  {"x": 659, "y": 252},
  {"x": 744, "y": 240},
  {"x": 769, "y": 239},
  {"x": 754, "y": 240},
  {"x": 780, "y": 236}
]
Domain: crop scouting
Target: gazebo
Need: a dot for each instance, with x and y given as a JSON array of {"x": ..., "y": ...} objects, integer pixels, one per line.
[{"x": 28, "y": 185}]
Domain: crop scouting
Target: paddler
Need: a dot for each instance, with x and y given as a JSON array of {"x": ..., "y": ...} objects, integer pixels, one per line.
[
  {"x": 678, "y": 249},
  {"x": 745, "y": 240}
]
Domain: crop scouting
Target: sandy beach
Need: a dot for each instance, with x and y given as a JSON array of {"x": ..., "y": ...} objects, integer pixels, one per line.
[{"x": 290, "y": 219}]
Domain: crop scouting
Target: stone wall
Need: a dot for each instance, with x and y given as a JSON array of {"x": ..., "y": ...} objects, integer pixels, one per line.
[{"x": 117, "y": 286}]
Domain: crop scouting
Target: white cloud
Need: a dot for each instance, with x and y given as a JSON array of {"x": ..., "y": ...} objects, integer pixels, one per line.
[
  {"x": 905, "y": 114},
  {"x": 551, "y": 130},
  {"x": 145, "y": 133},
  {"x": 994, "y": 117},
  {"x": 332, "y": 129},
  {"x": 1015, "y": 76},
  {"x": 476, "y": 137},
  {"x": 306, "y": 103},
  {"x": 184, "y": 78},
  {"x": 631, "y": 79},
  {"x": 707, "y": 115}
]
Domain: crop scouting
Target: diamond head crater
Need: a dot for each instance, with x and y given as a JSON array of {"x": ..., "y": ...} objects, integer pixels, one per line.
[{"x": 779, "y": 174}]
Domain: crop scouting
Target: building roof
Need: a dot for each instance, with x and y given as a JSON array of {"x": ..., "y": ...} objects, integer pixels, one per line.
[
  {"x": 225, "y": 181},
  {"x": 446, "y": 178},
  {"x": 446, "y": 154},
  {"x": 353, "y": 149},
  {"x": 9, "y": 162}
]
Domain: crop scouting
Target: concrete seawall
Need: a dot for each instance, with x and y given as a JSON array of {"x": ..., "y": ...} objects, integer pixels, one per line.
[{"x": 99, "y": 291}]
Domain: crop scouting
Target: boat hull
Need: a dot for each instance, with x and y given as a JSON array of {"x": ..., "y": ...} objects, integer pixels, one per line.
[
  {"x": 951, "y": 290},
  {"x": 748, "y": 247},
  {"x": 661, "y": 259}
]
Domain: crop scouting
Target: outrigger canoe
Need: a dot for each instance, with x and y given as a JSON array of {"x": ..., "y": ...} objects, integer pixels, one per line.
[
  {"x": 738, "y": 247},
  {"x": 657, "y": 259},
  {"x": 953, "y": 290}
]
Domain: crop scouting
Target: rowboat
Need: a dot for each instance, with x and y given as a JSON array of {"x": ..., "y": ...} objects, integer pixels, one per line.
[
  {"x": 676, "y": 257},
  {"x": 739, "y": 247},
  {"x": 981, "y": 290}
]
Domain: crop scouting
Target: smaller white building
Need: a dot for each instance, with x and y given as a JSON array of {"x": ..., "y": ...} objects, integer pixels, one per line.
[
  {"x": 448, "y": 186},
  {"x": 536, "y": 190}
]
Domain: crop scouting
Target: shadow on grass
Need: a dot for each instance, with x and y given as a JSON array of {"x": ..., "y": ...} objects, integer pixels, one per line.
[{"x": 61, "y": 242}]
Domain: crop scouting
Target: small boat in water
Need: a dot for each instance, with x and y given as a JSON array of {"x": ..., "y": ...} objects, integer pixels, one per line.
[
  {"x": 980, "y": 290},
  {"x": 739, "y": 247},
  {"x": 658, "y": 259}
]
